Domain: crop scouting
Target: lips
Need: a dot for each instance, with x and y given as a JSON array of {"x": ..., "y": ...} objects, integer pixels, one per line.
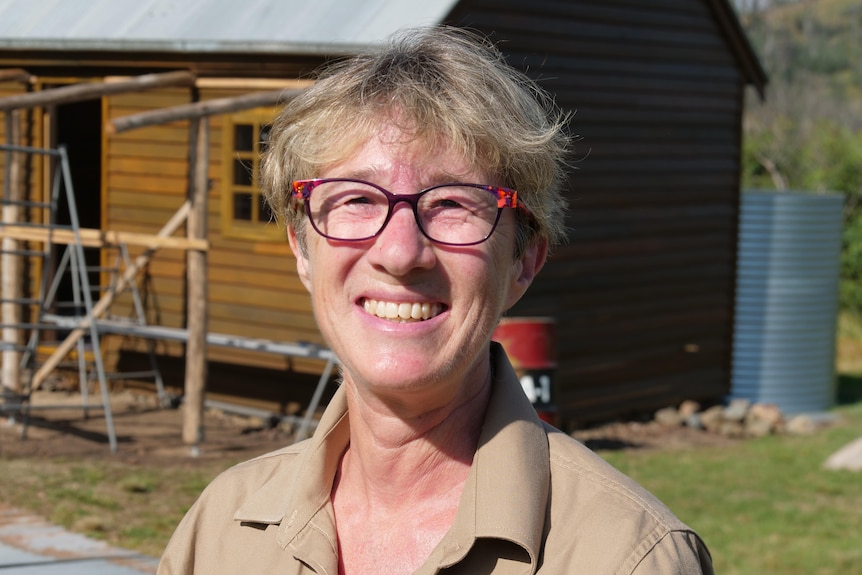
[{"x": 402, "y": 311}]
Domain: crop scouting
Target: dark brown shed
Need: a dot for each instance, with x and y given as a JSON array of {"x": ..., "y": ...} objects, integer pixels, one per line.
[{"x": 644, "y": 292}]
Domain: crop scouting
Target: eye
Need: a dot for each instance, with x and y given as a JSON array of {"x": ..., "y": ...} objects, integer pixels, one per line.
[
  {"x": 337, "y": 197},
  {"x": 357, "y": 200},
  {"x": 458, "y": 201},
  {"x": 447, "y": 203}
]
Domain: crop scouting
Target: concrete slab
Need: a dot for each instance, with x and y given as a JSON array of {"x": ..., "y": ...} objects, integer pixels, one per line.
[{"x": 30, "y": 545}]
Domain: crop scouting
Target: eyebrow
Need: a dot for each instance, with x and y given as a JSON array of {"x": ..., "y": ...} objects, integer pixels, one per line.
[{"x": 436, "y": 178}]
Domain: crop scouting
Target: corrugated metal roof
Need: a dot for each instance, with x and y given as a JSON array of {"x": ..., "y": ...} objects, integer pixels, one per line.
[{"x": 304, "y": 26}]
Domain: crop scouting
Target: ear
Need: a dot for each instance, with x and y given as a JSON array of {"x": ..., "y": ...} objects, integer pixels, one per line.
[
  {"x": 525, "y": 269},
  {"x": 303, "y": 265}
]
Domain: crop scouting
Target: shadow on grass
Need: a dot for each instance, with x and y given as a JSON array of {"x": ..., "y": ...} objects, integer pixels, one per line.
[
  {"x": 849, "y": 389},
  {"x": 604, "y": 444}
]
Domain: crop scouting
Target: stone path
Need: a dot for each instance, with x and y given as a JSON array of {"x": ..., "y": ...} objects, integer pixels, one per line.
[{"x": 30, "y": 545}]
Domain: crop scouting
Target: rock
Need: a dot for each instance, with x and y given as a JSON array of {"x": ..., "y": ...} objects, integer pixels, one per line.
[
  {"x": 765, "y": 411},
  {"x": 668, "y": 416},
  {"x": 848, "y": 457},
  {"x": 694, "y": 421},
  {"x": 688, "y": 408},
  {"x": 762, "y": 419},
  {"x": 712, "y": 418},
  {"x": 758, "y": 427},
  {"x": 637, "y": 427},
  {"x": 733, "y": 429},
  {"x": 737, "y": 409},
  {"x": 801, "y": 425}
]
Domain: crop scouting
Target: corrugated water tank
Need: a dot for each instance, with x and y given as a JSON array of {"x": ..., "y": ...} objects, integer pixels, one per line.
[{"x": 787, "y": 299}]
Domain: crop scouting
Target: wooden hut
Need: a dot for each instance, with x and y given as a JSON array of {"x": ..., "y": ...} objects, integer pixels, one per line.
[{"x": 642, "y": 294}]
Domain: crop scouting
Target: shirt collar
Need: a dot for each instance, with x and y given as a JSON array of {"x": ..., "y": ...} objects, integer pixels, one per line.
[{"x": 293, "y": 495}]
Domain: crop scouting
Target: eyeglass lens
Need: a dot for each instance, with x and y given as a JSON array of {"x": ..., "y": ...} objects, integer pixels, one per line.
[{"x": 452, "y": 214}]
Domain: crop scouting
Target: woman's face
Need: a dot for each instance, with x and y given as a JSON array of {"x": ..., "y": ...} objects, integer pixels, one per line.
[{"x": 361, "y": 290}]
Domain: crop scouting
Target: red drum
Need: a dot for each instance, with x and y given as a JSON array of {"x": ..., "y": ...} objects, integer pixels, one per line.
[{"x": 530, "y": 343}]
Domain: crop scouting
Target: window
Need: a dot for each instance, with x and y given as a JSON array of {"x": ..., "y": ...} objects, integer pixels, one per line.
[{"x": 245, "y": 213}]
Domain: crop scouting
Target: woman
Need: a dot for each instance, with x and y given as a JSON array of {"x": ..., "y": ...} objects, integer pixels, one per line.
[{"x": 421, "y": 186}]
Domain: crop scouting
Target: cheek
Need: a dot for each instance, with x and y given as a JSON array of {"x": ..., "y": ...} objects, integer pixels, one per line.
[
  {"x": 492, "y": 282},
  {"x": 331, "y": 267}
]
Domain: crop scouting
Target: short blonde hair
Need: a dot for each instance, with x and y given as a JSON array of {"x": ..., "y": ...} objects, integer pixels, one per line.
[{"x": 441, "y": 84}]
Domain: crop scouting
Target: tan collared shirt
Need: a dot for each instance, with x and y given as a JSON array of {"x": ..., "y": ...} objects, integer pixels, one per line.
[{"x": 536, "y": 501}]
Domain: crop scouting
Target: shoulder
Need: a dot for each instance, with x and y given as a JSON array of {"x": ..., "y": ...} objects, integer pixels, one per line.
[
  {"x": 234, "y": 488},
  {"x": 243, "y": 480},
  {"x": 574, "y": 467},
  {"x": 613, "y": 520},
  {"x": 211, "y": 537},
  {"x": 264, "y": 465}
]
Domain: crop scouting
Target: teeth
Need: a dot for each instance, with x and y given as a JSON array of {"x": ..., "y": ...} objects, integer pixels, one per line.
[
  {"x": 401, "y": 312},
  {"x": 404, "y": 310},
  {"x": 391, "y": 310}
]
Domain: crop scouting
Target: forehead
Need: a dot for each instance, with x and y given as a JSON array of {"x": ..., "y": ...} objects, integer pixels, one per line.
[{"x": 393, "y": 154}]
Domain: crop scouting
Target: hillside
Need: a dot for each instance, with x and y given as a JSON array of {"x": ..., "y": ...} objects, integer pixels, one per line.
[
  {"x": 813, "y": 48},
  {"x": 807, "y": 134}
]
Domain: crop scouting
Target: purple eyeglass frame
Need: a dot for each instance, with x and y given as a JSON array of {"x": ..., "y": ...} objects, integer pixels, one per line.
[{"x": 506, "y": 198}]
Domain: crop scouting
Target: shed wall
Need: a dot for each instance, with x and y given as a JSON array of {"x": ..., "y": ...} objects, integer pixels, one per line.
[{"x": 643, "y": 293}]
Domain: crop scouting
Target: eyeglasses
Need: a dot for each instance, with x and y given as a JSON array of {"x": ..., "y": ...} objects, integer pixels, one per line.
[{"x": 455, "y": 214}]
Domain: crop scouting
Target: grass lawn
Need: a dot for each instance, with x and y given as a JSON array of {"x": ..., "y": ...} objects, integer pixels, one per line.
[
  {"x": 127, "y": 505},
  {"x": 766, "y": 505}
]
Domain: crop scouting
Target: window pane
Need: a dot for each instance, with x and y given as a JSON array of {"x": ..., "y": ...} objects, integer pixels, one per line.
[
  {"x": 242, "y": 173},
  {"x": 243, "y": 137},
  {"x": 242, "y": 206}
]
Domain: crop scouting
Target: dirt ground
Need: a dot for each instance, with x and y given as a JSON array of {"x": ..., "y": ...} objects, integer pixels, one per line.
[{"x": 148, "y": 434}]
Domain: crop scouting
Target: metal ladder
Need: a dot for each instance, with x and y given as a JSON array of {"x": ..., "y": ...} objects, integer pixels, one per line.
[
  {"x": 74, "y": 314},
  {"x": 137, "y": 319},
  {"x": 89, "y": 371}
]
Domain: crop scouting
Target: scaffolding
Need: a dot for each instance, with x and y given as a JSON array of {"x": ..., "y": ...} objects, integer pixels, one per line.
[
  {"x": 92, "y": 319},
  {"x": 87, "y": 320},
  {"x": 54, "y": 313}
]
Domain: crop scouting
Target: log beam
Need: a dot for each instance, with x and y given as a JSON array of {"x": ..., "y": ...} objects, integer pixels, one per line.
[
  {"x": 14, "y": 75},
  {"x": 94, "y": 90},
  {"x": 93, "y": 238},
  {"x": 200, "y": 110}
]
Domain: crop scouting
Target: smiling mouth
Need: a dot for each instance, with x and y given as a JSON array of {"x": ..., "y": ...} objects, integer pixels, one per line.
[{"x": 402, "y": 312}]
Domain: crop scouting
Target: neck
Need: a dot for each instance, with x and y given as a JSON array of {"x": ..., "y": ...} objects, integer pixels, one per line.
[{"x": 403, "y": 455}]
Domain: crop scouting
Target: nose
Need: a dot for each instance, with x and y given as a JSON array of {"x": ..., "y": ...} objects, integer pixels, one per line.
[{"x": 402, "y": 247}]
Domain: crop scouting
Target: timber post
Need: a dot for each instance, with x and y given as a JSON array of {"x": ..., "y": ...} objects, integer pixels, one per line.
[
  {"x": 12, "y": 289},
  {"x": 196, "y": 278}
]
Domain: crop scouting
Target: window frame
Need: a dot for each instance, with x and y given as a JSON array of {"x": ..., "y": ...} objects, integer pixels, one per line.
[{"x": 253, "y": 228}]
